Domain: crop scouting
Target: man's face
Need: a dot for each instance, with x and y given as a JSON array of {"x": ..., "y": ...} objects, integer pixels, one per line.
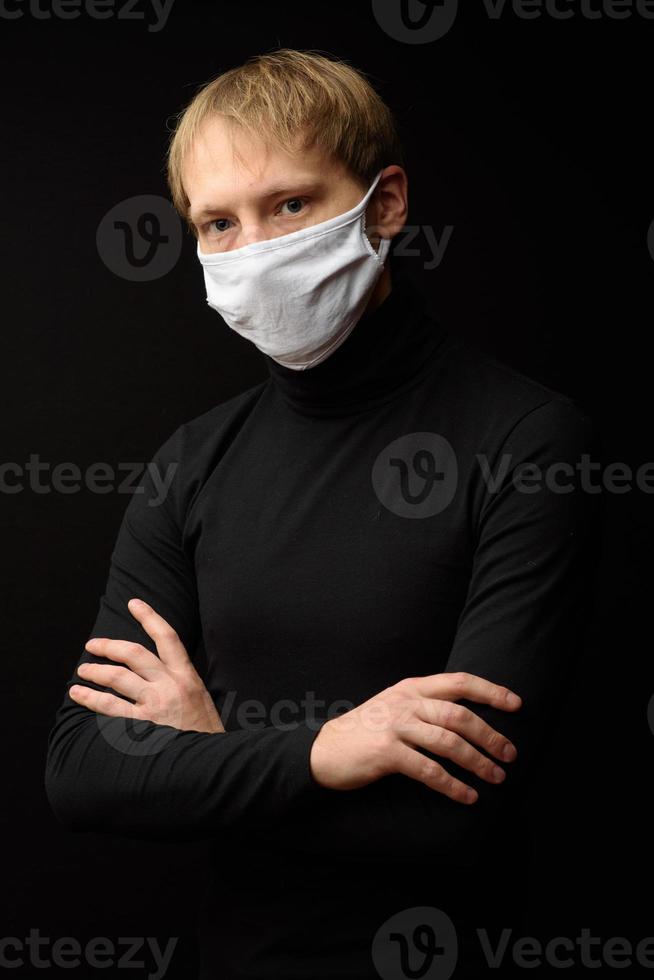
[{"x": 242, "y": 191}]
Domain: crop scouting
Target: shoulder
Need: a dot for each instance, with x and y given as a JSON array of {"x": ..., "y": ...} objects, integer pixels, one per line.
[
  {"x": 501, "y": 404},
  {"x": 186, "y": 458},
  {"x": 197, "y": 436}
]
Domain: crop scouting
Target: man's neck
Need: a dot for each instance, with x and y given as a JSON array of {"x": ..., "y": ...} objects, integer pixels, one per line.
[{"x": 380, "y": 292}]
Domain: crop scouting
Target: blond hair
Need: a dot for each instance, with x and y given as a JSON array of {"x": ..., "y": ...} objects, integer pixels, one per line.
[{"x": 287, "y": 94}]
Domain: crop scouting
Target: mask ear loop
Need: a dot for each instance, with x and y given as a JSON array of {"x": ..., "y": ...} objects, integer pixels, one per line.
[{"x": 382, "y": 251}]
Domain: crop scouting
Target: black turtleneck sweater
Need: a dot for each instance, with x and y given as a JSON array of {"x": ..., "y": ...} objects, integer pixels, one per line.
[{"x": 327, "y": 533}]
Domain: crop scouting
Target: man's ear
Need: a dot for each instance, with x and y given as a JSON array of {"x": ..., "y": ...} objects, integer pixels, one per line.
[{"x": 390, "y": 203}]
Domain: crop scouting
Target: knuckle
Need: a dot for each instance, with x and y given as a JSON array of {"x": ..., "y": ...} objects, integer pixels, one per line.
[
  {"x": 395, "y": 711},
  {"x": 185, "y": 684},
  {"x": 124, "y": 651},
  {"x": 447, "y": 739},
  {"x": 454, "y": 787},
  {"x": 494, "y": 740},
  {"x": 451, "y": 714},
  {"x": 460, "y": 678},
  {"x": 402, "y": 715},
  {"x": 404, "y": 686},
  {"x": 430, "y": 771},
  {"x": 183, "y": 689},
  {"x": 431, "y": 710}
]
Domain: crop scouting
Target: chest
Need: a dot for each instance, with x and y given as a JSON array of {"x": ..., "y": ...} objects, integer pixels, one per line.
[{"x": 313, "y": 582}]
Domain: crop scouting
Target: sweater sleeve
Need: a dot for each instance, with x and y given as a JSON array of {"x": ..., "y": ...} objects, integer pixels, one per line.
[
  {"x": 152, "y": 781},
  {"x": 521, "y": 626}
]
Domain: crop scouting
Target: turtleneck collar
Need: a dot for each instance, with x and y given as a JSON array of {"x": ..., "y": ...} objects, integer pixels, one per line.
[{"x": 386, "y": 352}]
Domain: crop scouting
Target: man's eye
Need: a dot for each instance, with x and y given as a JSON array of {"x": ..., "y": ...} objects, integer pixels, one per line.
[
  {"x": 216, "y": 225},
  {"x": 221, "y": 225},
  {"x": 292, "y": 202}
]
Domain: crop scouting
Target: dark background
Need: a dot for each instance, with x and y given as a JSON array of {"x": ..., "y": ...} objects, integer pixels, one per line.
[{"x": 531, "y": 138}]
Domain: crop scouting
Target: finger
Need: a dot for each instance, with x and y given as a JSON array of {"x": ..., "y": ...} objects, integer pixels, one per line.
[
  {"x": 119, "y": 679},
  {"x": 460, "y": 684},
  {"x": 142, "y": 661},
  {"x": 443, "y": 742},
  {"x": 169, "y": 646},
  {"x": 102, "y": 703},
  {"x": 459, "y": 719},
  {"x": 417, "y": 766}
]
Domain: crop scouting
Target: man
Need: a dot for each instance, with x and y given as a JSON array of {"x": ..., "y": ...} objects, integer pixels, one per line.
[{"x": 386, "y": 598}]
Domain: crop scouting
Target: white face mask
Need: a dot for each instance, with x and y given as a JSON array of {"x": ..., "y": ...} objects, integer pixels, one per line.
[{"x": 298, "y": 296}]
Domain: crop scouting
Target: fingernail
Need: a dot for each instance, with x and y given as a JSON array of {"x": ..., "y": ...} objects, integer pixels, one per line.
[
  {"x": 509, "y": 753},
  {"x": 513, "y": 699},
  {"x": 498, "y": 774}
]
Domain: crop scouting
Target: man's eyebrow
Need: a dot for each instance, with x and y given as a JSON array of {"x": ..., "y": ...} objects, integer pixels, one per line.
[{"x": 296, "y": 188}]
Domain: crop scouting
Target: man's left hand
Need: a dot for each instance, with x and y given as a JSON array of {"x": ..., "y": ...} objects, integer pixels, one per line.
[{"x": 166, "y": 689}]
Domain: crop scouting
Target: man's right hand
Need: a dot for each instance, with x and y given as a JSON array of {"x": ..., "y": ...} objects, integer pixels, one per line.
[{"x": 381, "y": 736}]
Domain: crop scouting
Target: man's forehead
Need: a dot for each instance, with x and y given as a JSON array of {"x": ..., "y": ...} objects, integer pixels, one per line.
[{"x": 221, "y": 143}]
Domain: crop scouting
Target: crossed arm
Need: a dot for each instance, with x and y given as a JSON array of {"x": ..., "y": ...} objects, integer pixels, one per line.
[
  {"x": 375, "y": 739},
  {"x": 518, "y": 631}
]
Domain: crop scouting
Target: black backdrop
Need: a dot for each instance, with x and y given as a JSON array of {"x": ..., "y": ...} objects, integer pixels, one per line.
[{"x": 529, "y": 140}]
